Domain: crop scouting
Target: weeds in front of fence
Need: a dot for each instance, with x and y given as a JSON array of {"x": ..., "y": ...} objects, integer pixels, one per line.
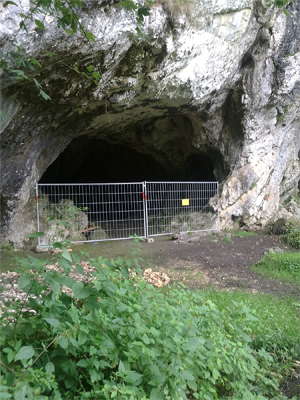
[
  {"x": 283, "y": 266},
  {"x": 113, "y": 336}
]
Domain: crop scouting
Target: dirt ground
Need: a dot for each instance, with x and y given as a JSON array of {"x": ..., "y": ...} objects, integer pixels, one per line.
[{"x": 219, "y": 260}]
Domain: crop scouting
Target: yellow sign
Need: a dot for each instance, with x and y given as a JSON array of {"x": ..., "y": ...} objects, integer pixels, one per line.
[{"x": 185, "y": 202}]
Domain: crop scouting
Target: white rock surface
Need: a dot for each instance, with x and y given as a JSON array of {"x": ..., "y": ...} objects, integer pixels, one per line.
[{"x": 215, "y": 48}]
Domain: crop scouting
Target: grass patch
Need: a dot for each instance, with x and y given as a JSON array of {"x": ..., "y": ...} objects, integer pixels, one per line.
[
  {"x": 9, "y": 258},
  {"x": 124, "y": 248},
  {"x": 277, "y": 326},
  {"x": 283, "y": 266},
  {"x": 228, "y": 237}
]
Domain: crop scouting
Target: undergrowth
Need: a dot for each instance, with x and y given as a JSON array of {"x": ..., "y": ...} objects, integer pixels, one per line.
[
  {"x": 292, "y": 237},
  {"x": 117, "y": 337},
  {"x": 277, "y": 323},
  {"x": 283, "y": 266}
]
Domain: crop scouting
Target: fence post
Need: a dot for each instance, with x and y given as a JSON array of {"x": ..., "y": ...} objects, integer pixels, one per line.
[
  {"x": 218, "y": 211},
  {"x": 145, "y": 209},
  {"x": 37, "y": 209}
]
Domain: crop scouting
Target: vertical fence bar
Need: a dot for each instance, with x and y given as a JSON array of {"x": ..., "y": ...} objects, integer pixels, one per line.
[
  {"x": 218, "y": 212},
  {"x": 37, "y": 211},
  {"x": 145, "y": 208}
]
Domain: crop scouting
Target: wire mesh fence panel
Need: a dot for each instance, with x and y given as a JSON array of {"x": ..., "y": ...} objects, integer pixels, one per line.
[
  {"x": 109, "y": 211},
  {"x": 175, "y": 207},
  {"x": 90, "y": 212}
]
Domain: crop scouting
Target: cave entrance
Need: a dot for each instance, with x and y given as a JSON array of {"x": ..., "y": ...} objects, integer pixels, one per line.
[
  {"x": 87, "y": 160},
  {"x": 124, "y": 204}
]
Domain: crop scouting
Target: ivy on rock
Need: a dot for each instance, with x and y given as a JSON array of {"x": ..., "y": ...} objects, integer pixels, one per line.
[{"x": 20, "y": 67}]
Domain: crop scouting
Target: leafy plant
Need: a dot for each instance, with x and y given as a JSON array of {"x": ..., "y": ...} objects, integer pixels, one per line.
[
  {"x": 278, "y": 227},
  {"x": 292, "y": 237},
  {"x": 276, "y": 328},
  {"x": 227, "y": 239},
  {"x": 289, "y": 266},
  {"x": 113, "y": 336},
  {"x": 20, "y": 67},
  {"x": 282, "y": 3}
]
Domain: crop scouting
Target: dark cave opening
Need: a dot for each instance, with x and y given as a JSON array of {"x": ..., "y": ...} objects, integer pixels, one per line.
[
  {"x": 101, "y": 194},
  {"x": 90, "y": 160}
]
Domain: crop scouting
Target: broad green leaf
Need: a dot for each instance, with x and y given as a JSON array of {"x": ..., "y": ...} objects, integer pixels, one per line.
[
  {"x": 39, "y": 25},
  {"x": 96, "y": 75},
  {"x": 53, "y": 322},
  {"x": 49, "y": 367},
  {"x": 66, "y": 255},
  {"x": 188, "y": 375},
  {"x": 25, "y": 353},
  {"x": 44, "y": 95},
  {"x": 21, "y": 393},
  {"x": 133, "y": 378},
  {"x": 10, "y": 356},
  {"x": 35, "y": 62},
  {"x": 53, "y": 283},
  {"x": 156, "y": 394},
  {"x": 128, "y": 5},
  {"x": 90, "y": 68},
  {"x": 24, "y": 282},
  {"x": 94, "y": 375},
  {"x": 82, "y": 339},
  {"x": 36, "y": 235},
  {"x": 20, "y": 74},
  {"x": 90, "y": 36},
  {"x": 83, "y": 363},
  {"x": 57, "y": 245},
  {"x": 145, "y": 339},
  {"x": 122, "y": 367},
  {"x": 4, "y": 396},
  {"x": 63, "y": 342},
  {"x": 37, "y": 83},
  {"x": 80, "y": 291}
]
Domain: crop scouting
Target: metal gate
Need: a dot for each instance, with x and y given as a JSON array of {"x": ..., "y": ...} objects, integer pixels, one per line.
[{"x": 113, "y": 211}]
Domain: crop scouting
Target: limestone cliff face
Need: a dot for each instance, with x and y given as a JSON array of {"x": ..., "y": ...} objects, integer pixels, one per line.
[{"x": 220, "y": 77}]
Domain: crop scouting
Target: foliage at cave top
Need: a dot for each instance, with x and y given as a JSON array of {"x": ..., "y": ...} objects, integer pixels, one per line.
[{"x": 21, "y": 67}]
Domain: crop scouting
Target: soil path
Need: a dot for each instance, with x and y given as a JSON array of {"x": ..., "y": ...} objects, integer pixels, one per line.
[
  {"x": 223, "y": 264},
  {"x": 220, "y": 260}
]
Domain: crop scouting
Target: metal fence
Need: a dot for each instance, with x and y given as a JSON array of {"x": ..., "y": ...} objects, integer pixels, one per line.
[{"x": 111, "y": 211}]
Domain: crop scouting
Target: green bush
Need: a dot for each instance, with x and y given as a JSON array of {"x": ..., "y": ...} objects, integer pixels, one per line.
[
  {"x": 292, "y": 237},
  {"x": 278, "y": 227},
  {"x": 117, "y": 337}
]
